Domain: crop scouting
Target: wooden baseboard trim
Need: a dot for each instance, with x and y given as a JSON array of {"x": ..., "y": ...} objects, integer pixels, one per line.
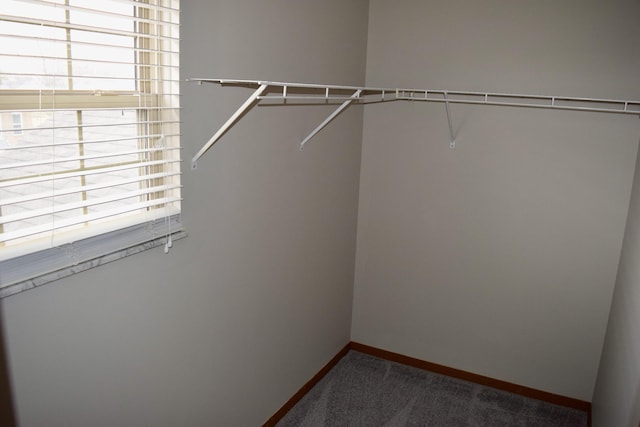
[
  {"x": 556, "y": 399},
  {"x": 532, "y": 393},
  {"x": 306, "y": 388}
]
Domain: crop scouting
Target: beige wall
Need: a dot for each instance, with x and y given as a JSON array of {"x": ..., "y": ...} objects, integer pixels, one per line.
[
  {"x": 616, "y": 399},
  {"x": 227, "y": 327},
  {"x": 498, "y": 257}
]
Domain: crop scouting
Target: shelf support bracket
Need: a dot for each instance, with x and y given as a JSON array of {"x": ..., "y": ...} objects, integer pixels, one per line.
[
  {"x": 452, "y": 137},
  {"x": 228, "y": 124},
  {"x": 332, "y": 116}
]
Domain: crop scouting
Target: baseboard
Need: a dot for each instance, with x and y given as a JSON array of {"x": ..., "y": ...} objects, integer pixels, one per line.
[
  {"x": 305, "y": 388},
  {"x": 532, "y": 393}
]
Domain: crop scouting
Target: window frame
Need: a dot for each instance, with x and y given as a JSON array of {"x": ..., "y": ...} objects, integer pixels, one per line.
[{"x": 28, "y": 265}]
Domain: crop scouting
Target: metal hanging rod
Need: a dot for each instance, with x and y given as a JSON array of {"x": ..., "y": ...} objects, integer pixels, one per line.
[{"x": 284, "y": 93}]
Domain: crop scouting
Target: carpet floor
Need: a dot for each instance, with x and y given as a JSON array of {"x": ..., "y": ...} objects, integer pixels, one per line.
[{"x": 362, "y": 390}]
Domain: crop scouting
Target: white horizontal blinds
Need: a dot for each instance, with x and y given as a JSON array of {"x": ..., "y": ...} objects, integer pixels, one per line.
[
  {"x": 89, "y": 116},
  {"x": 102, "y": 36}
]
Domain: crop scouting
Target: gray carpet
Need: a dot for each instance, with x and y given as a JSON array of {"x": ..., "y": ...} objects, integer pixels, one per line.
[{"x": 363, "y": 390}]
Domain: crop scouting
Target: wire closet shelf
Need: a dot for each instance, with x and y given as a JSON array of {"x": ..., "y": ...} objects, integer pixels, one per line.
[{"x": 287, "y": 93}]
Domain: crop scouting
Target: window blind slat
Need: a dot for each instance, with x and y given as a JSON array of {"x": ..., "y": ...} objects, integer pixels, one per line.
[
  {"x": 76, "y": 190},
  {"x": 62, "y": 224},
  {"x": 169, "y": 6},
  {"x": 87, "y": 28},
  {"x": 139, "y": 123},
  {"x": 154, "y": 6},
  {"x": 89, "y": 142},
  {"x": 84, "y": 172},
  {"x": 102, "y": 12},
  {"x": 133, "y": 109},
  {"x": 78, "y": 61},
  {"x": 59, "y": 207},
  {"x": 61, "y": 159},
  {"x": 98, "y": 77},
  {"x": 141, "y": 98},
  {"x": 97, "y": 44}
]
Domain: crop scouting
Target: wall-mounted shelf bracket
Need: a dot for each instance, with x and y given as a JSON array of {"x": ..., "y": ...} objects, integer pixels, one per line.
[
  {"x": 332, "y": 116},
  {"x": 230, "y": 122},
  {"x": 452, "y": 136},
  {"x": 281, "y": 93}
]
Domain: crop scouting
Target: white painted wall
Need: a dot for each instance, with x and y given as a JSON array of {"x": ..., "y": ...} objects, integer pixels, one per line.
[
  {"x": 616, "y": 400},
  {"x": 498, "y": 257},
  {"x": 228, "y": 326}
]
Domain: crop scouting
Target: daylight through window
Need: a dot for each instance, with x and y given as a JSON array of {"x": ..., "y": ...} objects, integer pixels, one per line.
[{"x": 89, "y": 120}]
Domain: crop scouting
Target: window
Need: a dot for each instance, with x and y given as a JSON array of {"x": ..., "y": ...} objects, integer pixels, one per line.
[
  {"x": 16, "y": 121},
  {"x": 90, "y": 153}
]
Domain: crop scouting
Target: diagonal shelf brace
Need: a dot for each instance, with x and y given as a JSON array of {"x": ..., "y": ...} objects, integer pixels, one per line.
[
  {"x": 230, "y": 122},
  {"x": 332, "y": 116}
]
